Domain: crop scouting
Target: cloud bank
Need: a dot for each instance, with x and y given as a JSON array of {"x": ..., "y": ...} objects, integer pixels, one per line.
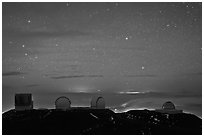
[
  {"x": 77, "y": 76},
  {"x": 12, "y": 73}
]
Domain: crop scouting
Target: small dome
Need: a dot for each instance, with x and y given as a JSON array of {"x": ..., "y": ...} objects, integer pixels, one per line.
[
  {"x": 62, "y": 103},
  {"x": 98, "y": 102},
  {"x": 168, "y": 105}
]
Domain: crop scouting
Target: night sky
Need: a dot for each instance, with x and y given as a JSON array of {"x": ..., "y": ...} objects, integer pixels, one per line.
[{"x": 136, "y": 55}]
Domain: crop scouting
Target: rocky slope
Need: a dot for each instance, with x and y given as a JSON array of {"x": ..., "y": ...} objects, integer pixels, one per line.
[{"x": 100, "y": 122}]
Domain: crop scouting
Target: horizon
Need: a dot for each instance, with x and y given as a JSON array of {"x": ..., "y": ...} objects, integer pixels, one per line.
[{"x": 130, "y": 104}]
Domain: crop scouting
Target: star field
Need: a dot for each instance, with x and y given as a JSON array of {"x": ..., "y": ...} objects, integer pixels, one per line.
[{"x": 107, "y": 47}]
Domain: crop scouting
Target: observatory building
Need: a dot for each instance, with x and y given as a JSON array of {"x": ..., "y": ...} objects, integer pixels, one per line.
[
  {"x": 169, "y": 107},
  {"x": 23, "y": 101},
  {"x": 62, "y": 103},
  {"x": 98, "y": 103}
]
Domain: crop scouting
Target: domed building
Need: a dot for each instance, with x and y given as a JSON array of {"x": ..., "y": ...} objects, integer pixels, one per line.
[
  {"x": 62, "y": 103},
  {"x": 169, "y": 108},
  {"x": 98, "y": 102}
]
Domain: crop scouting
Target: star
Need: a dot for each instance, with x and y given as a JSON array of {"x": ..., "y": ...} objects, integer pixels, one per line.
[
  {"x": 90, "y": 15},
  {"x": 107, "y": 9},
  {"x": 143, "y": 67},
  {"x": 23, "y": 46},
  {"x": 188, "y": 12},
  {"x": 29, "y": 21},
  {"x": 26, "y": 54},
  {"x": 168, "y": 25},
  {"x": 160, "y": 11},
  {"x": 18, "y": 68},
  {"x": 126, "y": 38}
]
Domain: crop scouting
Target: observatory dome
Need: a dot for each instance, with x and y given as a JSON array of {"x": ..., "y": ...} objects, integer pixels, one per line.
[
  {"x": 62, "y": 103},
  {"x": 98, "y": 102},
  {"x": 168, "y": 106}
]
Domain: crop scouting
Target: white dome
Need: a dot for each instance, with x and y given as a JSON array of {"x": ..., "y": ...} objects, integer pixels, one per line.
[
  {"x": 168, "y": 106},
  {"x": 62, "y": 103},
  {"x": 98, "y": 102}
]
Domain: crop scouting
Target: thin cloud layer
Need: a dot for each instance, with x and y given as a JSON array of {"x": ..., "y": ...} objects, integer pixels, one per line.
[
  {"x": 32, "y": 85},
  {"x": 12, "y": 73},
  {"x": 148, "y": 75},
  {"x": 77, "y": 76},
  {"x": 43, "y": 33},
  {"x": 161, "y": 94}
]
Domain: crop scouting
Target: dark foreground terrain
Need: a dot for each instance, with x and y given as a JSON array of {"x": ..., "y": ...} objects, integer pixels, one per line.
[{"x": 92, "y": 121}]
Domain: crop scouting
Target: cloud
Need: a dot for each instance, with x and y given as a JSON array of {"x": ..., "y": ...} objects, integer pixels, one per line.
[
  {"x": 184, "y": 74},
  {"x": 135, "y": 105},
  {"x": 12, "y": 73},
  {"x": 148, "y": 75},
  {"x": 133, "y": 92},
  {"x": 195, "y": 105},
  {"x": 193, "y": 74},
  {"x": 6, "y": 87},
  {"x": 170, "y": 75},
  {"x": 132, "y": 103},
  {"x": 162, "y": 94},
  {"x": 77, "y": 76},
  {"x": 32, "y": 85},
  {"x": 15, "y": 32}
]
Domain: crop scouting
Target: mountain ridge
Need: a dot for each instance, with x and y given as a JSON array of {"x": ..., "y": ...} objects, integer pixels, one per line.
[{"x": 86, "y": 121}]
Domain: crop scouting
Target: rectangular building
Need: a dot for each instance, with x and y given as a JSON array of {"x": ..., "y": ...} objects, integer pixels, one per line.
[{"x": 23, "y": 101}]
